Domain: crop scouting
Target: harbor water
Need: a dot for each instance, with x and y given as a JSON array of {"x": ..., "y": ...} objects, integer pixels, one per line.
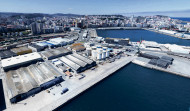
[
  {"x": 2, "y": 99},
  {"x": 135, "y": 88},
  {"x": 136, "y": 35},
  {"x": 183, "y": 19}
]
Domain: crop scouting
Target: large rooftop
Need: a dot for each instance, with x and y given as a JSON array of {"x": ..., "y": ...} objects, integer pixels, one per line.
[
  {"x": 26, "y": 78},
  {"x": 53, "y": 53},
  {"x": 82, "y": 58},
  {"x": 76, "y": 60},
  {"x": 70, "y": 63},
  {"x": 20, "y": 59}
]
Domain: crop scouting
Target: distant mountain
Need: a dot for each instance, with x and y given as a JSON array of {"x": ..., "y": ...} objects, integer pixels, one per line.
[
  {"x": 178, "y": 13},
  {"x": 70, "y": 15},
  {"x": 33, "y": 15}
]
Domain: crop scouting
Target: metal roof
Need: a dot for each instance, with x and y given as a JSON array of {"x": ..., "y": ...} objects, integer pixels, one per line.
[
  {"x": 20, "y": 59},
  {"x": 58, "y": 40},
  {"x": 42, "y": 44},
  {"x": 52, "y": 42},
  {"x": 76, "y": 60},
  {"x": 82, "y": 58},
  {"x": 24, "y": 79},
  {"x": 21, "y": 49},
  {"x": 56, "y": 52},
  {"x": 167, "y": 58},
  {"x": 70, "y": 63}
]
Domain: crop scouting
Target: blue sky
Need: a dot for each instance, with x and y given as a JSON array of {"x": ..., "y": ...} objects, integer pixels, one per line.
[{"x": 92, "y": 6}]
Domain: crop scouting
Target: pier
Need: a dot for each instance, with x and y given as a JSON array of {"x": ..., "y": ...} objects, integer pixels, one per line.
[{"x": 179, "y": 67}]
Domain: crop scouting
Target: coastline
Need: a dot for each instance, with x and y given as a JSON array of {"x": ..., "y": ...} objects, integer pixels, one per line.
[
  {"x": 148, "y": 29},
  {"x": 168, "y": 70},
  {"x": 172, "y": 35}
]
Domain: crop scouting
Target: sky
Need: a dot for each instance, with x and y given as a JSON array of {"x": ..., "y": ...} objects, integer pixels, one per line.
[{"x": 93, "y": 6}]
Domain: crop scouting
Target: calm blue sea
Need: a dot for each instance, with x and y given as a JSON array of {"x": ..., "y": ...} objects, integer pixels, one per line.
[
  {"x": 183, "y": 19},
  {"x": 135, "y": 88},
  {"x": 2, "y": 99},
  {"x": 136, "y": 35}
]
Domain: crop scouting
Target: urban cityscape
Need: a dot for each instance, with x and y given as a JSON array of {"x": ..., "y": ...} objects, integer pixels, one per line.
[{"x": 90, "y": 59}]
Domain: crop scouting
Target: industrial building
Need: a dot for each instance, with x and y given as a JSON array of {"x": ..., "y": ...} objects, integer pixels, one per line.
[
  {"x": 53, "y": 44},
  {"x": 68, "y": 41},
  {"x": 27, "y": 81},
  {"x": 163, "y": 62},
  {"x": 90, "y": 62},
  {"x": 62, "y": 41},
  {"x": 77, "y": 47},
  {"x": 59, "y": 40},
  {"x": 77, "y": 62},
  {"x": 117, "y": 41},
  {"x": 21, "y": 50},
  {"x": 48, "y": 44},
  {"x": 150, "y": 44},
  {"x": 35, "y": 47},
  {"x": 167, "y": 58},
  {"x": 43, "y": 44},
  {"x": 21, "y": 60},
  {"x": 55, "y": 53},
  {"x": 149, "y": 56},
  {"x": 7, "y": 54},
  {"x": 77, "y": 68}
]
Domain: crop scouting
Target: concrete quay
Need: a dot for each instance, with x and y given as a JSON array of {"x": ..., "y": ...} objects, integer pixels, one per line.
[
  {"x": 119, "y": 28},
  {"x": 93, "y": 33},
  {"x": 179, "y": 67},
  {"x": 49, "y": 101},
  {"x": 153, "y": 30}
]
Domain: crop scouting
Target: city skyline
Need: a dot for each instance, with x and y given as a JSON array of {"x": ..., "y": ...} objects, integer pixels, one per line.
[{"x": 137, "y": 7}]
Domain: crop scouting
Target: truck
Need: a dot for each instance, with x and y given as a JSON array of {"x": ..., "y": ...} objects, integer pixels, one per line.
[{"x": 64, "y": 90}]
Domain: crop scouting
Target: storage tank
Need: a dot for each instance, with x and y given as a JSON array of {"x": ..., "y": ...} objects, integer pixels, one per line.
[
  {"x": 94, "y": 48},
  {"x": 99, "y": 54},
  {"x": 99, "y": 46},
  {"x": 105, "y": 48},
  {"x": 94, "y": 54},
  {"x": 89, "y": 51},
  {"x": 107, "y": 53},
  {"x": 104, "y": 54}
]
